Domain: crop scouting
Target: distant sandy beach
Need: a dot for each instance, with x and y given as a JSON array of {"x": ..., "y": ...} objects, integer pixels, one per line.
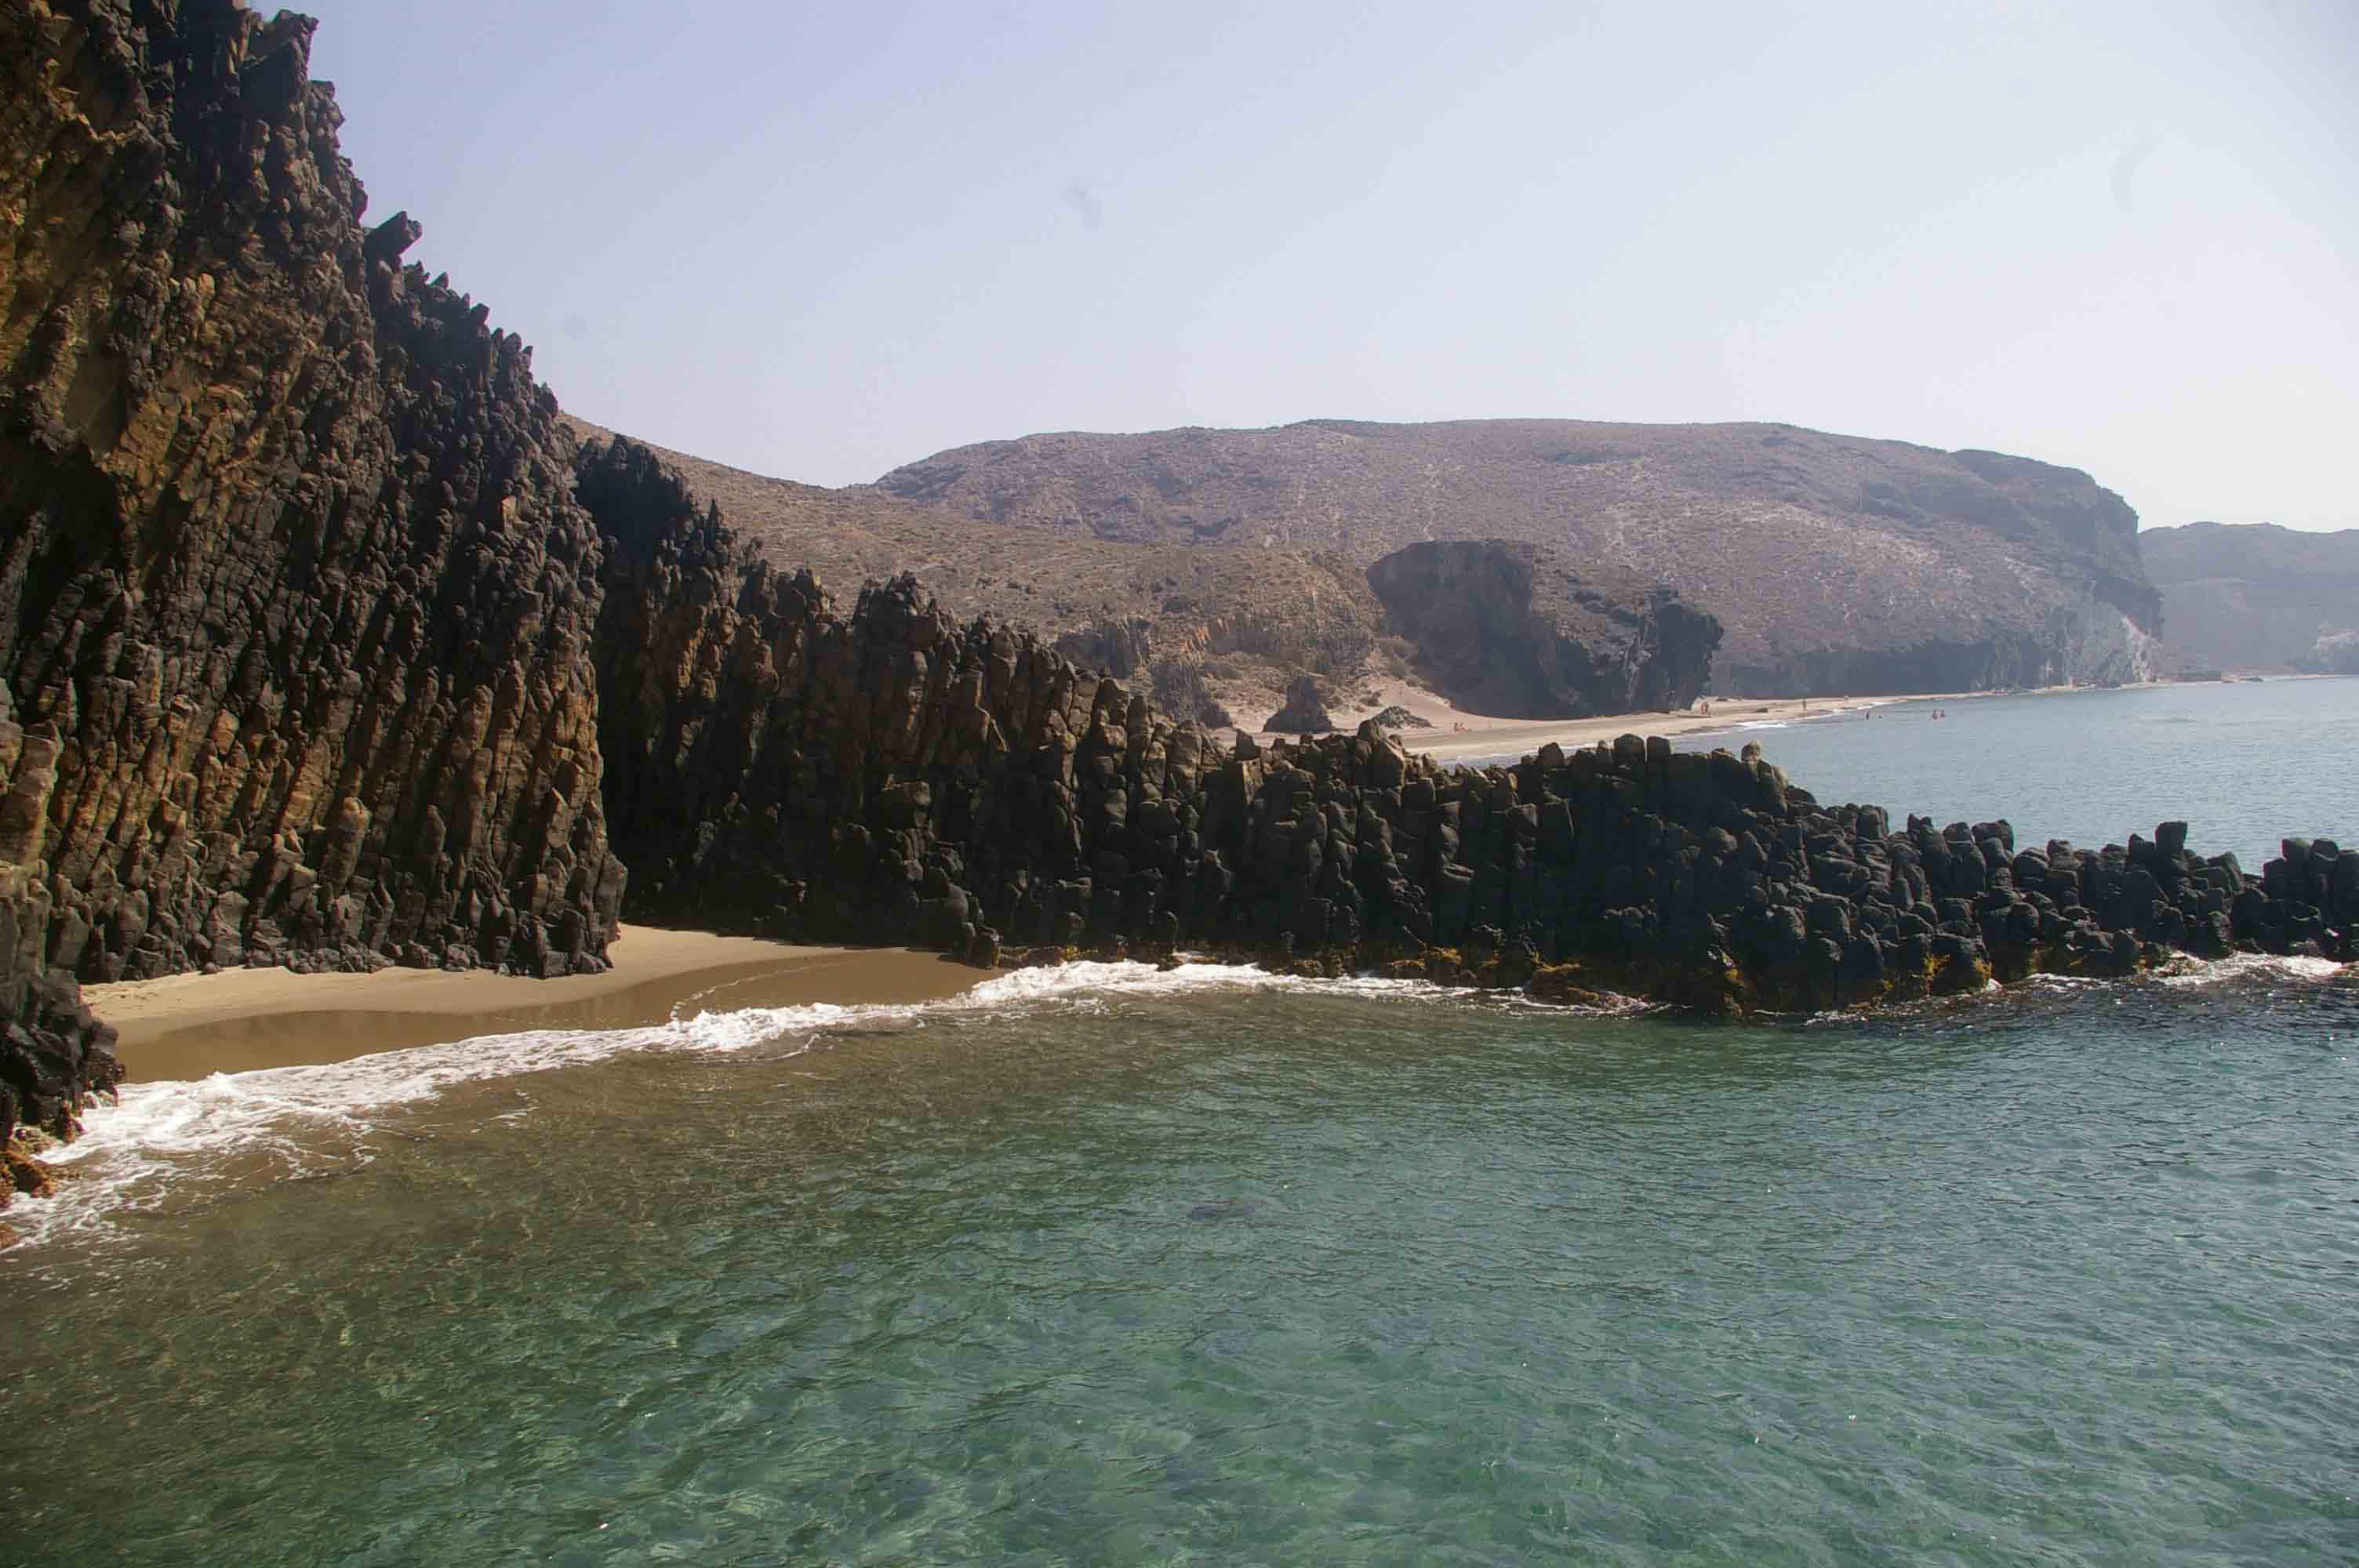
[
  {"x": 188, "y": 1026},
  {"x": 1486, "y": 736}
]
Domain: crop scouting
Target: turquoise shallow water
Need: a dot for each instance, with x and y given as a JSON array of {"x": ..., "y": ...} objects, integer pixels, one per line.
[{"x": 1112, "y": 1267}]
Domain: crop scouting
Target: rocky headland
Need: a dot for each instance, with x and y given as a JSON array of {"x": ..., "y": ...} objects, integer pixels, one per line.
[
  {"x": 2256, "y": 597},
  {"x": 327, "y": 642},
  {"x": 1834, "y": 565}
]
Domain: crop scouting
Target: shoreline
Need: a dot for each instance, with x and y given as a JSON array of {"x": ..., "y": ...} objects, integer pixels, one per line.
[
  {"x": 1492, "y": 740},
  {"x": 1501, "y": 737},
  {"x": 189, "y": 1026}
]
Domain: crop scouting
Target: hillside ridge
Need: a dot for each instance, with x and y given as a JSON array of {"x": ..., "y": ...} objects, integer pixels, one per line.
[
  {"x": 1835, "y": 564},
  {"x": 2256, "y": 597}
]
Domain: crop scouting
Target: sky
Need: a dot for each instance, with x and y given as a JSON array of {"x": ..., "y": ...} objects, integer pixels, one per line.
[{"x": 820, "y": 241}]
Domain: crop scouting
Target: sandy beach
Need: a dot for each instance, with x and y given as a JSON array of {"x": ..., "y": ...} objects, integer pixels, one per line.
[
  {"x": 1456, "y": 735},
  {"x": 188, "y": 1026}
]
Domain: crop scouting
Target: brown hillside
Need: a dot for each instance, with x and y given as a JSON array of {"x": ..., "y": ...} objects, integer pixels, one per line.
[
  {"x": 2254, "y": 596},
  {"x": 1834, "y": 563},
  {"x": 1251, "y": 620}
]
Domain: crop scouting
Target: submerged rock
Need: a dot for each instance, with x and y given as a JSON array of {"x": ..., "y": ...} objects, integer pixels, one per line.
[{"x": 1223, "y": 1208}]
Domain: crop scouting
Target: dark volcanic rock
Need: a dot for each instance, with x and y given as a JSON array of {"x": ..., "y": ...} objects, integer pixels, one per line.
[
  {"x": 323, "y": 644},
  {"x": 295, "y": 601},
  {"x": 1305, "y": 712},
  {"x": 892, "y": 775},
  {"x": 1198, "y": 613},
  {"x": 1506, "y": 628},
  {"x": 1399, "y": 718}
]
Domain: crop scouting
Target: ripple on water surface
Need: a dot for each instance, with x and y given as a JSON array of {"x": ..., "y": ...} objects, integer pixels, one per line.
[{"x": 1119, "y": 1268}]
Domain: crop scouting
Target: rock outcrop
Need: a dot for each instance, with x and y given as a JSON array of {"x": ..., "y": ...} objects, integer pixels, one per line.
[
  {"x": 1507, "y": 628},
  {"x": 894, "y": 775},
  {"x": 900, "y": 777},
  {"x": 1835, "y": 564},
  {"x": 295, "y": 600},
  {"x": 1212, "y": 624},
  {"x": 2254, "y": 596},
  {"x": 323, "y": 644},
  {"x": 1305, "y": 710}
]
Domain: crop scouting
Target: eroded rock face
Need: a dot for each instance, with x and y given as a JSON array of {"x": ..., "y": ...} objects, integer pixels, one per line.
[
  {"x": 295, "y": 601},
  {"x": 1305, "y": 710},
  {"x": 1508, "y": 627},
  {"x": 892, "y": 775}
]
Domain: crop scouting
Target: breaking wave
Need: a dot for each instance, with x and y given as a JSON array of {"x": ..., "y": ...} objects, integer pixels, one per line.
[{"x": 165, "y": 1144}]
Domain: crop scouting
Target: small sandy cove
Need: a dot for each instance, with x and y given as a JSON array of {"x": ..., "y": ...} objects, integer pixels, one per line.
[
  {"x": 1457, "y": 735},
  {"x": 188, "y": 1026}
]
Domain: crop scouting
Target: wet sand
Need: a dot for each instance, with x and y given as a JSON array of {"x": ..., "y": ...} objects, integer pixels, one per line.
[{"x": 187, "y": 1026}]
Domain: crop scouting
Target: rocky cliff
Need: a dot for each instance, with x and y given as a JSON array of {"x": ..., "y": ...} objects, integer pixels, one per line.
[
  {"x": 296, "y": 604},
  {"x": 1505, "y": 627},
  {"x": 2256, "y": 597},
  {"x": 892, "y": 774},
  {"x": 323, "y": 644},
  {"x": 1835, "y": 563}
]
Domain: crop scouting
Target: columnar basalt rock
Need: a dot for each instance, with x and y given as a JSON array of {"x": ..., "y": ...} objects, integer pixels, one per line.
[
  {"x": 295, "y": 601},
  {"x": 894, "y": 776},
  {"x": 324, "y": 646}
]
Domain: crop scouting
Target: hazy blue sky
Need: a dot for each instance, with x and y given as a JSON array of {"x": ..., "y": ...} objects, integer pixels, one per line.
[{"x": 820, "y": 241}]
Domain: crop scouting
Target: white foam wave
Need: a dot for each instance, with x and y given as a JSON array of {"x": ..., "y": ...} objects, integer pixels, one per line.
[
  {"x": 166, "y": 1142},
  {"x": 2246, "y": 966}
]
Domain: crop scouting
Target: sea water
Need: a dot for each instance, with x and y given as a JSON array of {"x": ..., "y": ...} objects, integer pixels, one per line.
[
  {"x": 2244, "y": 763},
  {"x": 1102, "y": 1265}
]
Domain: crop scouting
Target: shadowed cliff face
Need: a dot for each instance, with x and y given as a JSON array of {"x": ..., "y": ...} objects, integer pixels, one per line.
[
  {"x": 295, "y": 601},
  {"x": 1504, "y": 627}
]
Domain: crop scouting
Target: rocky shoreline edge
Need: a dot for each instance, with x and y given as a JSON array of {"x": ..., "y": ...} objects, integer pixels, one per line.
[
  {"x": 328, "y": 645},
  {"x": 1700, "y": 881}
]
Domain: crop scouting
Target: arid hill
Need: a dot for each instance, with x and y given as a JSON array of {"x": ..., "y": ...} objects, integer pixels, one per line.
[
  {"x": 2256, "y": 597},
  {"x": 1835, "y": 564},
  {"x": 1171, "y": 612}
]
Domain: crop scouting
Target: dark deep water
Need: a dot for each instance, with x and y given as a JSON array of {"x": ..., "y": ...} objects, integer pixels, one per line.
[{"x": 1109, "y": 1267}]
